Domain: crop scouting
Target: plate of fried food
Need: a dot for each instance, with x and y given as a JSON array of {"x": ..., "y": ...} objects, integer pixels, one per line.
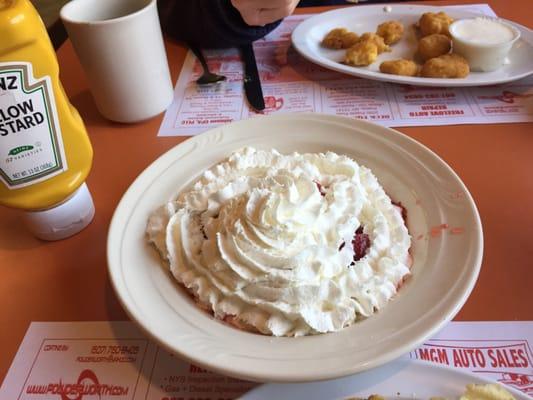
[
  {"x": 401, "y": 380},
  {"x": 417, "y": 45}
]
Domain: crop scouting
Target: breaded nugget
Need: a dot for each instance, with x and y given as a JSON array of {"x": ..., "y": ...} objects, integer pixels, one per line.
[
  {"x": 434, "y": 45},
  {"x": 362, "y": 53},
  {"x": 434, "y": 23},
  {"x": 377, "y": 40},
  {"x": 390, "y": 31},
  {"x": 339, "y": 38},
  {"x": 446, "y": 66},
  {"x": 486, "y": 391},
  {"x": 399, "y": 67}
]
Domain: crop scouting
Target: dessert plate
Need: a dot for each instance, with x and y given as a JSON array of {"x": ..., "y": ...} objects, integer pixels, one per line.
[
  {"x": 442, "y": 219},
  {"x": 402, "y": 379},
  {"x": 307, "y": 36}
]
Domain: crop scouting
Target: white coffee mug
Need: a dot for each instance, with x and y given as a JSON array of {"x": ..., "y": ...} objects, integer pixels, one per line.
[{"x": 120, "y": 46}]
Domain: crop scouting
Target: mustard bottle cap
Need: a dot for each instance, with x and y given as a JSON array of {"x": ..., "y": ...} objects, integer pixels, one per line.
[{"x": 63, "y": 220}]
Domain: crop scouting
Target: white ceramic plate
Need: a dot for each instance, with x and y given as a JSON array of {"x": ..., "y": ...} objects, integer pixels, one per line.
[
  {"x": 397, "y": 380},
  {"x": 307, "y": 36},
  {"x": 444, "y": 271}
]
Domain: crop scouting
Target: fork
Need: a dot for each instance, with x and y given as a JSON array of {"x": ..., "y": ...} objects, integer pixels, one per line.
[{"x": 207, "y": 76}]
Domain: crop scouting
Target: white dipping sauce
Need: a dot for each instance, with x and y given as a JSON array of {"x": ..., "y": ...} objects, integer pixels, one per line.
[
  {"x": 483, "y": 31},
  {"x": 484, "y": 42}
]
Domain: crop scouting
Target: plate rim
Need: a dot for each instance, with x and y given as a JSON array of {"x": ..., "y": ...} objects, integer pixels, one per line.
[
  {"x": 117, "y": 228},
  {"x": 301, "y": 47}
]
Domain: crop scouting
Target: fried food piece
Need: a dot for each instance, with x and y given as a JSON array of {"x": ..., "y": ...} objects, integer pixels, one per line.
[
  {"x": 365, "y": 51},
  {"x": 377, "y": 40},
  {"x": 486, "y": 391},
  {"x": 446, "y": 66},
  {"x": 371, "y": 397},
  {"x": 430, "y": 23},
  {"x": 339, "y": 38},
  {"x": 390, "y": 31},
  {"x": 434, "y": 45},
  {"x": 399, "y": 67},
  {"x": 362, "y": 53}
]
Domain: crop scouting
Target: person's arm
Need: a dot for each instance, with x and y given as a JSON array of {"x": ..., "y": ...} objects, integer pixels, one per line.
[{"x": 216, "y": 23}]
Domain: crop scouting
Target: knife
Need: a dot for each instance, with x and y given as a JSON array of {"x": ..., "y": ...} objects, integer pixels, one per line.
[{"x": 252, "y": 82}]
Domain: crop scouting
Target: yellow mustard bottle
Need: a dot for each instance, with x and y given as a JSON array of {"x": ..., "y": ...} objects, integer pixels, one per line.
[{"x": 45, "y": 153}]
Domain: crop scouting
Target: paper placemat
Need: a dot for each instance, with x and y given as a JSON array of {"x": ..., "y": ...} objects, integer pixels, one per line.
[
  {"x": 301, "y": 86},
  {"x": 114, "y": 360}
]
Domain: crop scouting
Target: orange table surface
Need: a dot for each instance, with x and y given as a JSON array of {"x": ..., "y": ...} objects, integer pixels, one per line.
[{"x": 67, "y": 280}]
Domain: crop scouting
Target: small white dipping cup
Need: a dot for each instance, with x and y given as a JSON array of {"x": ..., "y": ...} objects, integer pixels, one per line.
[
  {"x": 482, "y": 55},
  {"x": 120, "y": 46}
]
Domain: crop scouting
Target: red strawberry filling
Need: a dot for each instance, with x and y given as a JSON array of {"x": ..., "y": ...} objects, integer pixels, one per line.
[
  {"x": 360, "y": 243},
  {"x": 320, "y": 188},
  {"x": 402, "y": 209},
  {"x": 361, "y": 240}
]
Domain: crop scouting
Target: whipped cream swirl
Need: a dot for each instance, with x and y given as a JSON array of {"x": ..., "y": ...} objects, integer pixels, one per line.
[{"x": 265, "y": 240}]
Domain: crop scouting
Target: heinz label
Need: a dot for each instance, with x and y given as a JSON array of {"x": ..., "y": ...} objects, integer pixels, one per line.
[{"x": 31, "y": 148}]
